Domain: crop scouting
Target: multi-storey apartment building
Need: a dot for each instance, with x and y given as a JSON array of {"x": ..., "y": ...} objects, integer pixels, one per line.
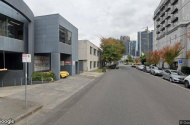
[
  {"x": 171, "y": 23},
  {"x": 89, "y": 56}
]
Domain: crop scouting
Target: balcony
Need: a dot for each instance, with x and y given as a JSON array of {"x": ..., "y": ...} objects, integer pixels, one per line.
[
  {"x": 154, "y": 17},
  {"x": 167, "y": 2},
  {"x": 173, "y": 2},
  {"x": 162, "y": 28},
  {"x": 158, "y": 25},
  {"x": 174, "y": 18},
  {"x": 158, "y": 18},
  {"x": 167, "y": 15},
  {"x": 162, "y": 14},
  {"x": 162, "y": 7},
  {"x": 168, "y": 8},
  {"x": 174, "y": 9},
  {"x": 162, "y": 21},
  {"x": 157, "y": 32},
  {"x": 168, "y": 23}
]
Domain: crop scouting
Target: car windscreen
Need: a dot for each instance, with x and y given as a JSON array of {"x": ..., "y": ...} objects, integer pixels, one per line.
[
  {"x": 157, "y": 68},
  {"x": 176, "y": 73}
]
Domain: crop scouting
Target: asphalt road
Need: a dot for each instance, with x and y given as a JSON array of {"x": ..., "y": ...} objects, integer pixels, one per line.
[{"x": 125, "y": 97}]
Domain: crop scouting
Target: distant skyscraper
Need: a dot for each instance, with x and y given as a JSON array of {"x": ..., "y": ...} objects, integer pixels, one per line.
[
  {"x": 126, "y": 40},
  {"x": 145, "y": 42},
  {"x": 133, "y": 48},
  {"x": 151, "y": 39}
]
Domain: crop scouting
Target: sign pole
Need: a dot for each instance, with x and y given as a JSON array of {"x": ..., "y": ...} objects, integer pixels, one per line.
[
  {"x": 26, "y": 85},
  {"x": 26, "y": 58}
]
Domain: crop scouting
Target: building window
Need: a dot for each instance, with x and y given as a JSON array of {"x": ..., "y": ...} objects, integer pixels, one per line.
[
  {"x": 65, "y": 36},
  {"x": 90, "y": 64},
  {"x": 98, "y": 64},
  {"x": 98, "y": 53},
  {"x": 11, "y": 28},
  {"x": 90, "y": 50},
  {"x": 94, "y": 64},
  {"x": 2, "y": 26},
  {"x": 95, "y": 52}
]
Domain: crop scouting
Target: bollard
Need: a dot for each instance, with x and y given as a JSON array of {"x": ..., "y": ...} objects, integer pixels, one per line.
[
  {"x": 31, "y": 81},
  {"x": 21, "y": 81},
  {"x": 14, "y": 82},
  {"x": 42, "y": 80}
]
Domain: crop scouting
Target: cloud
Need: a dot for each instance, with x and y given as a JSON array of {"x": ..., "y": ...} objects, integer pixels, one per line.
[{"x": 100, "y": 18}]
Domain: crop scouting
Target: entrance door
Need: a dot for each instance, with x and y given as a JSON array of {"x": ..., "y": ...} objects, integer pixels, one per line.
[{"x": 76, "y": 67}]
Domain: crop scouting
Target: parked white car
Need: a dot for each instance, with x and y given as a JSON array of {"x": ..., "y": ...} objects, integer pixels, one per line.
[
  {"x": 156, "y": 70},
  {"x": 141, "y": 67},
  {"x": 173, "y": 76},
  {"x": 187, "y": 82}
]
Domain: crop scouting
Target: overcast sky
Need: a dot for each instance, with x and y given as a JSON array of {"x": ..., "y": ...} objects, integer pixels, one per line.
[{"x": 100, "y": 18}]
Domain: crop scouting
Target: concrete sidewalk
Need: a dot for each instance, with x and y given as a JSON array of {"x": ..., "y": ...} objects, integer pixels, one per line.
[{"x": 46, "y": 96}]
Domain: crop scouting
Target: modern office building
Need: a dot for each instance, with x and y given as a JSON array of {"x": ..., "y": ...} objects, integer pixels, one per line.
[
  {"x": 126, "y": 40},
  {"x": 51, "y": 40},
  {"x": 89, "y": 56},
  {"x": 151, "y": 40},
  {"x": 133, "y": 48},
  {"x": 56, "y": 45},
  {"x": 145, "y": 42},
  {"x": 171, "y": 23},
  {"x": 16, "y": 38}
]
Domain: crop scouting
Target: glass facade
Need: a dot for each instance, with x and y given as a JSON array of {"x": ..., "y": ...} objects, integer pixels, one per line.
[
  {"x": 65, "y": 36},
  {"x": 11, "y": 28}
]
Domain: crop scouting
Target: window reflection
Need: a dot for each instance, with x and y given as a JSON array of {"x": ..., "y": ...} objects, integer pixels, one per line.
[
  {"x": 64, "y": 35},
  {"x": 11, "y": 28},
  {"x": 2, "y": 25}
]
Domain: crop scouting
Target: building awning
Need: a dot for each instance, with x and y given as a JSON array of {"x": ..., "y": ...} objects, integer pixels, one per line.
[{"x": 3, "y": 70}]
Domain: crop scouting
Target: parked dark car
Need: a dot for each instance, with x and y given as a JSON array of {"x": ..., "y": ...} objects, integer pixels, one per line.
[
  {"x": 133, "y": 65},
  {"x": 114, "y": 66}
]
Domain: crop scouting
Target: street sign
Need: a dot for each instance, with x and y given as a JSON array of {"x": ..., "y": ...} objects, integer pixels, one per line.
[
  {"x": 67, "y": 62},
  {"x": 26, "y": 58},
  {"x": 180, "y": 61}
]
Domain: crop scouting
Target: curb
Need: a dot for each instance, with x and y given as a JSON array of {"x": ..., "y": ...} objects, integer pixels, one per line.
[
  {"x": 81, "y": 92},
  {"x": 21, "y": 117},
  {"x": 66, "y": 104}
]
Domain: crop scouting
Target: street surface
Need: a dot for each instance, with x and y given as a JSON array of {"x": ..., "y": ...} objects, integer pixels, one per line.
[{"x": 125, "y": 96}]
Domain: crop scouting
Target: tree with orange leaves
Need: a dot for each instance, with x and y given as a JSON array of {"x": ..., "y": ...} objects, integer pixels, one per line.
[
  {"x": 188, "y": 36},
  {"x": 169, "y": 53},
  {"x": 188, "y": 54},
  {"x": 155, "y": 57},
  {"x": 136, "y": 60},
  {"x": 148, "y": 58}
]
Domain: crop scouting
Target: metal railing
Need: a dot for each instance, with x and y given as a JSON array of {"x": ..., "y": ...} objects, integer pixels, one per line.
[{"x": 20, "y": 81}]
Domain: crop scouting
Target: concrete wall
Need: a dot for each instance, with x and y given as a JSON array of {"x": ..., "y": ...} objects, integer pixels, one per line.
[
  {"x": 18, "y": 10},
  {"x": 47, "y": 41},
  {"x": 84, "y": 54},
  {"x": 82, "y": 50}
]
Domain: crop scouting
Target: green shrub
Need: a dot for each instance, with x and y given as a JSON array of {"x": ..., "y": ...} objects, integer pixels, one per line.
[
  {"x": 47, "y": 76},
  {"x": 185, "y": 70}
]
